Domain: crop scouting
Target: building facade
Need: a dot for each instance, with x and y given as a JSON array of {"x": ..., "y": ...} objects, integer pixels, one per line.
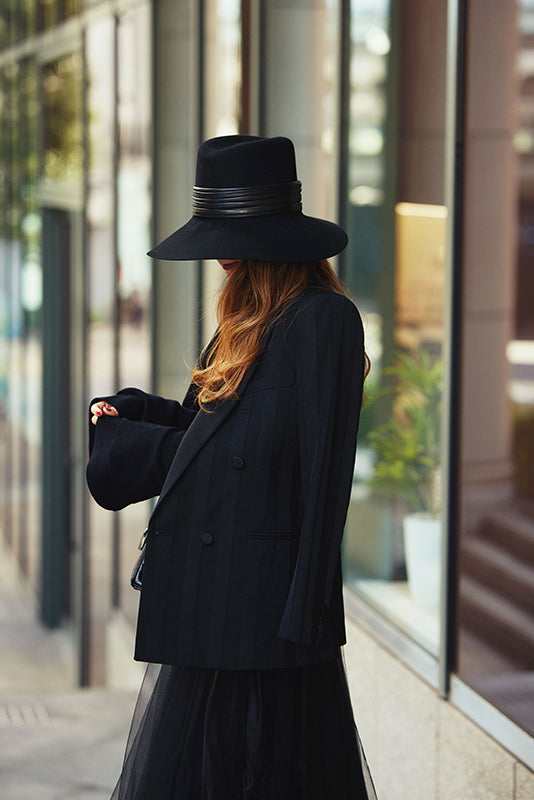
[{"x": 414, "y": 128}]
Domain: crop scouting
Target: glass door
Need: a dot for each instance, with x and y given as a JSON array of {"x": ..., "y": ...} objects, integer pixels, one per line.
[
  {"x": 395, "y": 213},
  {"x": 63, "y": 541}
]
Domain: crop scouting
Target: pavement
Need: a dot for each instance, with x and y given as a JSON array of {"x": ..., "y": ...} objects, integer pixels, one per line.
[{"x": 56, "y": 742}]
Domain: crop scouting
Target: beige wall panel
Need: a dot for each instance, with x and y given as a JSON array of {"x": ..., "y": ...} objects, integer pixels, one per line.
[
  {"x": 361, "y": 654},
  {"x": 471, "y": 765},
  {"x": 417, "y": 745},
  {"x": 491, "y": 225},
  {"x": 422, "y": 61},
  {"x": 486, "y": 419},
  {"x": 491, "y": 92},
  {"x": 524, "y": 783},
  {"x": 421, "y": 171},
  {"x": 396, "y": 714}
]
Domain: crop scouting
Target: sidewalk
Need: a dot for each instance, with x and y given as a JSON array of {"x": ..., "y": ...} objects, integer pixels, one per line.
[{"x": 56, "y": 742}]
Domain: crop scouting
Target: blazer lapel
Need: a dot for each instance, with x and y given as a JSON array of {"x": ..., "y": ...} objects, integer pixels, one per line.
[{"x": 203, "y": 426}]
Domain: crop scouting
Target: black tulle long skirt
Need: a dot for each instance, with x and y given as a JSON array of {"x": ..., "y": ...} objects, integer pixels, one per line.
[{"x": 208, "y": 734}]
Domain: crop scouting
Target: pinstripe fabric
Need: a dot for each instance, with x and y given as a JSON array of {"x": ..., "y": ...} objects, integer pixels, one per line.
[{"x": 243, "y": 556}]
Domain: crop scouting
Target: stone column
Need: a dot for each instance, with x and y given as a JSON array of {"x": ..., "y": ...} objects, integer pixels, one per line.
[
  {"x": 300, "y": 83},
  {"x": 422, "y": 65},
  {"x": 176, "y": 139}
]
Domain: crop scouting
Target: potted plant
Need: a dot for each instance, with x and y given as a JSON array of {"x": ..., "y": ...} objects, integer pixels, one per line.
[{"x": 407, "y": 447}]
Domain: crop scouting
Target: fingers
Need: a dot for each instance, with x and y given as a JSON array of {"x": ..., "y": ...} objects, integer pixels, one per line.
[{"x": 102, "y": 408}]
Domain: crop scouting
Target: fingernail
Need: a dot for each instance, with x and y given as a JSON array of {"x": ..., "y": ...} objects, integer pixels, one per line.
[{"x": 98, "y": 413}]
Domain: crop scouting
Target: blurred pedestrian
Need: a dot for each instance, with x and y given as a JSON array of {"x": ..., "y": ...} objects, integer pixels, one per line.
[{"x": 241, "y": 585}]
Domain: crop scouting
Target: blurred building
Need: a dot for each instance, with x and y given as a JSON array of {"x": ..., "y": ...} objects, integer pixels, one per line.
[{"x": 414, "y": 128}]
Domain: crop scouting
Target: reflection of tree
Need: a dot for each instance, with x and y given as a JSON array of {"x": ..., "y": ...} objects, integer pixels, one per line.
[
  {"x": 21, "y": 18},
  {"x": 18, "y": 145},
  {"x": 19, "y": 208},
  {"x": 62, "y": 119}
]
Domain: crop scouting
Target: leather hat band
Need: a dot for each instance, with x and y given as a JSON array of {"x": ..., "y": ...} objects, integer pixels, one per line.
[{"x": 247, "y": 201}]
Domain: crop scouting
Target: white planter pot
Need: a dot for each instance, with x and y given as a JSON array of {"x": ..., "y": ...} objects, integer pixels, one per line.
[{"x": 422, "y": 549}]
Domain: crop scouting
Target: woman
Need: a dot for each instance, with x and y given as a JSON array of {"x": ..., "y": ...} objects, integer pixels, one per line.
[{"x": 241, "y": 598}]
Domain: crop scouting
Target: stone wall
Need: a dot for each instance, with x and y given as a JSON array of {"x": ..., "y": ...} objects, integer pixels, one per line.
[{"x": 419, "y": 747}]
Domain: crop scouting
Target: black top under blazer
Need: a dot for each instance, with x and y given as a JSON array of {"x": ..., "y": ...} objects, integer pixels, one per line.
[{"x": 243, "y": 566}]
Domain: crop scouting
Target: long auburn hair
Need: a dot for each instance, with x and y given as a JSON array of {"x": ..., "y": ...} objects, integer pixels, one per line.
[{"x": 253, "y": 296}]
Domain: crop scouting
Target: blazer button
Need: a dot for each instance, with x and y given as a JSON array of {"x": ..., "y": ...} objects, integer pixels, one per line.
[
  {"x": 237, "y": 462},
  {"x": 206, "y": 538}
]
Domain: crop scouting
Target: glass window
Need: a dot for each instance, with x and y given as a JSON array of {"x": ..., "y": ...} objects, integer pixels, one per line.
[
  {"x": 60, "y": 197},
  {"x": 20, "y": 304},
  {"x": 134, "y": 205},
  {"x": 394, "y": 266},
  {"x": 101, "y": 283},
  {"x": 4, "y": 306},
  {"x": 496, "y": 486},
  {"x": 29, "y": 234},
  {"x": 11, "y": 310}
]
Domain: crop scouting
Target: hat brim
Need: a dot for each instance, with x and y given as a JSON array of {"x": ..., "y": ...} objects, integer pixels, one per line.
[{"x": 277, "y": 237}]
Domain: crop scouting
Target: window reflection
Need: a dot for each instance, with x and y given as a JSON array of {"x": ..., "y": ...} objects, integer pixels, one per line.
[
  {"x": 20, "y": 318},
  {"x": 62, "y": 119},
  {"x": 395, "y": 269},
  {"x": 134, "y": 206},
  {"x": 52, "y": 12},
  {"x": 21, "y": 16},
  {"x": 47, "y": 14},
  {"x": 496, "y": 560}
]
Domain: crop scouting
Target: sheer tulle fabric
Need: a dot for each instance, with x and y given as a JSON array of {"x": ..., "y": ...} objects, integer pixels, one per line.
[{"x": 205, "y": 734}]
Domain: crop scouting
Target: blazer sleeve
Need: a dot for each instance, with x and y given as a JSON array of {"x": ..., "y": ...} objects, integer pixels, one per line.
[
  {"x": 134, "y": 404},
  {"x": 327, "y": 340},
  {"x": 138, "y": 405},
  {"x": 129, "y": 460}
]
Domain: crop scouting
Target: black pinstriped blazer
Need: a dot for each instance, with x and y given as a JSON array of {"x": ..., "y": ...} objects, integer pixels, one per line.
[{"x": 243, "y": 556}]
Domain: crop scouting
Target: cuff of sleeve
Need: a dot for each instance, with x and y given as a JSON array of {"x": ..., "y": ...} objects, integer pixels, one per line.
[
  {"x": 128, "y": 405},
  {"x": 98, "y": 473}
]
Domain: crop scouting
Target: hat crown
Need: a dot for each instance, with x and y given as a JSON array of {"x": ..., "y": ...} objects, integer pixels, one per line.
[{"x": 238, "y": 161}]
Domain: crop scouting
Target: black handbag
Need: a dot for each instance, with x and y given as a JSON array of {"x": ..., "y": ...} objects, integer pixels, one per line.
[{"x": 136, "y": 580}]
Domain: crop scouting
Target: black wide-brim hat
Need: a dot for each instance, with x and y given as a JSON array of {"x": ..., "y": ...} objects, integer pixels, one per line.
[{"x": 247, "y": 205}]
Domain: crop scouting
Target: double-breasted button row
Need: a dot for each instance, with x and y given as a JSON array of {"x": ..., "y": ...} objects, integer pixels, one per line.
[
  {"x": 237, "y": 462},
  {"x": 206, "y": 538}
]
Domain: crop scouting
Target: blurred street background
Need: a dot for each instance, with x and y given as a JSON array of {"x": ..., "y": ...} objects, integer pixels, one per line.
[{"x": 57, "y": 742}]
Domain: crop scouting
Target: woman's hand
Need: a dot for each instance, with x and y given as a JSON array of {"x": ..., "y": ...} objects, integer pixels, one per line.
[{"x": 101, "y": 408}]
